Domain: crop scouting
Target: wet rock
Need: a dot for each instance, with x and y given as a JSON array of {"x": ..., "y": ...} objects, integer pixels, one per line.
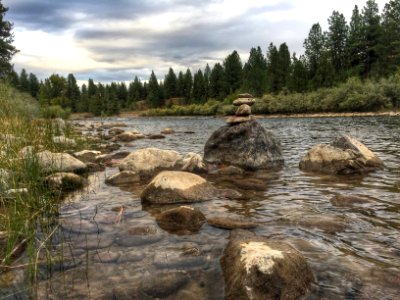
[
  {"x": 170, "y": 187},
  {"x": 246, "y": 145},
  {"x": 123, "y": 178},
  {"x": 253, "y": 184},
  {"x": 168, "y": 131},
  {"x": 345, "y": 155},
  {"x": 62, "y": 140},
  {"x": 65, "y": 181},
  {"x": 115, "y": 131},
  {"x": 234, "y": 120},
  {"x": 108, "y": 148},
  {"x": 131, "y": 256},
  {"x": 193, "y": 162},
  {"x": 149, "y": 161},
  {"x": 106, "y": 257},
  {"x": 87, "y": 155},
  {"x": 181, "y": 220},
  {"x": 259, "y": 268},
  {"x": 79, "y": 226},
  {"x": 94, "y": 167},
  {"x": 169, "y": 259},
  {"x": 155, "y": 136},
  {"x": 231, "y": 223},
  {"x": 348, "y": 200},
  {"x": 118, "y": 155},
  {"x": 60, "y": 162},
  {"x": 138, "y": 236},
  {"x": 230, "y": 170},
  {"x": 163, "y": 284},
  {"x": 128, "y": 137},
  {"x": 95, "y": 242}
]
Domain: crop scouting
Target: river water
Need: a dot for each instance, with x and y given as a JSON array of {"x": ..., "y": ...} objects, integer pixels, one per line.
[{"x": 354, "y": 251}]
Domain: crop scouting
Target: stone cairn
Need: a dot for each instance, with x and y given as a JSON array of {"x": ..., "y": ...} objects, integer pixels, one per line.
[{"x": 243, "y": 113}]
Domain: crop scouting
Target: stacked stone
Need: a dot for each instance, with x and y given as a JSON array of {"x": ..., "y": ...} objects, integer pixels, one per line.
[{"x": 243, "y": 113}]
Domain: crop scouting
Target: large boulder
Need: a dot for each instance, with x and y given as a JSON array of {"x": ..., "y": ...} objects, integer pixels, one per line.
[
  {"x": 60, "y": 162},
  {"x": 259, "y": 268},
  {"x": 181, "y": 220},
  {"x": 64, "y": 181},
  {"x": 345, "y": 155},
  {"x": 178, "y": 187},
  {"x": 246, "y": 145},
  {"x": 149, "y": 161}
]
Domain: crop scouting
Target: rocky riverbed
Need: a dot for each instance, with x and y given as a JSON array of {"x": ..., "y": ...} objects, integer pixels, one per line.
[{"x": 342, "y": 230}]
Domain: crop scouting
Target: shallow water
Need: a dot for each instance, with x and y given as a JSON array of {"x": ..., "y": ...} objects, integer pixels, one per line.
[{"x": 353, "y": 251}]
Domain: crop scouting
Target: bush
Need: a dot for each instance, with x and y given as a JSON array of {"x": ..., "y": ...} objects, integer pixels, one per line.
[{"x": 55, "y": 111}]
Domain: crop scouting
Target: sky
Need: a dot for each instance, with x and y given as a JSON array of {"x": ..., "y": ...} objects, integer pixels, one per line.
[{"x": 115, "y": 40}]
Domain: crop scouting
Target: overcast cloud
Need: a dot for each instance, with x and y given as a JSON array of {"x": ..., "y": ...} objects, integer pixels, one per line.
[{"x": 116, "y": 40}]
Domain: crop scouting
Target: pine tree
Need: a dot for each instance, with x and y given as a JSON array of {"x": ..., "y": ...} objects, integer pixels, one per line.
[
  {"x": 355, "y": 48},
  {"x": 199, "y": 88},
  {"x": 154, "y": 95},
  {"x": 337, "y": 42},
  {"x": 314, "y": 48},
  {"x": 207, "y": 74},
  {"x": 170, "y": 84},
  {"x": 218, "y": 88},
  {"x": 372, "y": 38},
  {"x": 273, "y": 69},
  {"x": 284, "y": 66},
  {"x": 180, "y": 84},
  {"x": 23, "y": 81},
  {"x": 255, "y": 73},
  {"x": 33, "y": 85},
  {"x": 233, "y": 72},
  {"x": 391, "y": 37},
  {"x": 7, "y": 50},
  {"x": 135, "y": 92},
  {"x": 83, "y": 104},
  {"x": 72, "y": 92},
  {"x": 298, "y": 81},
  {"x": 122, "y": 95},
  {"x": 187, "y": 86},
  {"x": 13, "y": 78}
]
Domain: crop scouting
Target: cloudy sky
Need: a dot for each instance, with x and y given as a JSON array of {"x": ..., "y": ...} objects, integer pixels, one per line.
[{"x": 114, "y": 40}]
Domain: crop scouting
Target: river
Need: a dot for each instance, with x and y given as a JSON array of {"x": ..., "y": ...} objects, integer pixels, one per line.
[{"x": 354, "y": 251}]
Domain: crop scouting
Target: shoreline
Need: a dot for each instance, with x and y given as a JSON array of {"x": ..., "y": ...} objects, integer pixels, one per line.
[{"x": 135, "y": 114}]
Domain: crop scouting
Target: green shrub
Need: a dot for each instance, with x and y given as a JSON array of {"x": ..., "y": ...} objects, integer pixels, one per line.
[{"x": 55, "y": 111}]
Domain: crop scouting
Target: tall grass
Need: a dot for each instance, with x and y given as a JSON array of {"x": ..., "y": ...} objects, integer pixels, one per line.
[{"x": 28, "y": 210}]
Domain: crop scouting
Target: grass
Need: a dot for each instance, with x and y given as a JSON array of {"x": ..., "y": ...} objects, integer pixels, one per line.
[{"x": 28, "y": 218}]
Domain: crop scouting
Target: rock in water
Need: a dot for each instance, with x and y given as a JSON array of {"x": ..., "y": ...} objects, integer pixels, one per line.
[
  {"x": 258, "y": 268},
  {"x": 246, "y": 145},
  {"x": 178, "y": 187},
  {"x": 149, "y": 161},
  {"x": 59, "y": 162},
  {"x": 64, "y": 181},
  {"x": 181, "y": 220},
  {"x": 345, "y": 155}
]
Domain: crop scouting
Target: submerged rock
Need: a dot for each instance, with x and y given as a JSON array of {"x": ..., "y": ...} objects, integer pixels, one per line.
[
  {"x": 155, "y": 136},
  {"x": 181, "y": 220},
  {"x": 231, "y": 223},
  {"x": 345, "y": 155},
  {"x": 115, "y": 131},
  {"x": 168, "y": 131},
  {"x": 123, "y": 178},
  {"x": 259, "y": 268},
  {"x": 246, "y": 145},
  {"x": 139, "y": 235},
  {"x": 177, "y": 187},
  {"x": 348, "y": 200},
  {"x": 149, "y": 161},
  {"x": 163, "y": 284},
  {"x": 60, "y": 162},
  {"x": 128, "y": 136}
]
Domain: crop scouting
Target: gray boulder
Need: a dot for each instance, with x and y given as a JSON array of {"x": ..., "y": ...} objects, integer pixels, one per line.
[
  {"x": 246, "y": 145},
  {"x": 345, "y": 155},
  {"x": 60, "y": 162},
  {"x": 181, "y": 220},
  {"x": 149, "y": 161},
  {"x": 258, "y": 268}
]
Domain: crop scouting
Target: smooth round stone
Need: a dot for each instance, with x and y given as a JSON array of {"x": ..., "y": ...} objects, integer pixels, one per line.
[
  {"x": 245, "y": 95},
  {"x": 106, "y": 257},
  {"x": 79, "y": 226},
  {"x": 239, "y": 119},
  {"x": 131, "y": 256},
  {"x": 137, "y": 236},
  {"x": 243, "y": 110},
  {"x": 95, "y": 242},
  {"x": 163, "y": 284},
  {"x": 173, "y": 259},
  {"x": 241, "y": 101},
  {"x": 231, "y": 223}
]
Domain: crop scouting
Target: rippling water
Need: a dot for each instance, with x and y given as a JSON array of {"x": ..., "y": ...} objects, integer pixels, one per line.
[{"x": 353, "y": 251}]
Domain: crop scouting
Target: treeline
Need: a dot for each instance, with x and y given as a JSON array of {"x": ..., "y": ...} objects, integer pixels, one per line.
[{"x": 366, "y": 48}]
